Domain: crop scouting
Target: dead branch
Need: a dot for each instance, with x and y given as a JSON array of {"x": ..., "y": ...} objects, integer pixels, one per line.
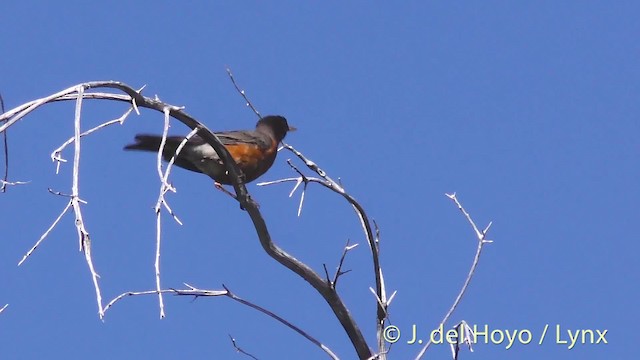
[
  {"x": 481, "y": 235},
  {"x": 326, "y": 181},
  {"x": 5, "y": 179},
  {"x": 242, "y": 93},
  {"x": 239, "y": 349},
  {"x": 138, "y": 100},
  {"x": 195, "y": 292}
]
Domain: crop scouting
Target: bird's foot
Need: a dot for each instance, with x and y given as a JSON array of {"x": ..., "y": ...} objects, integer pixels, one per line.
[{"x": 221, "y": 188}]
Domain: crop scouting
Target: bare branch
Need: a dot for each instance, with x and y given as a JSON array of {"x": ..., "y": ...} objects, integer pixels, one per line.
[
  {"x": 479, "y": 234},
  {"x": 83, "y": 234},
  {"x": 281, "y": 320},
  {"x": 221, "y": 188},
  {"x": 375, "y": 224},
  {"x": 46, "y": 233},
  {"x": 304, "y": 271},
  {"x": 280, "y": 181},
  {"x": 14, "y": 115},
  {"x": 164, "y": 188},
  {"x": 238, "y": 349},
  {"x": 465, "y": 336},
  {"x": 299, "y": 181},
  {"x": 293, "y": 264},
  {"x": 242, "y": 196},
  {"x": 243, "y": 94},
  {"x": 371, "y": 239},
  {"x": 56, "y": 154},
  {"x": 393, "y": 294},
  {"x": 302, "y": 179},
  {"x": 175, "y": 217},
  {"x": 339, "y": 271},
  {"x": 134, "y": 293},
  {"x": 472, "y": 270},
  {"x": 157, "y": 263},
  {"x": 326, "y": 273},
  {"x": 59, "y": 193},
  {"x": 5, "y": 139},
  {"x": 364, "y": 220},
  {"x": 193, "y": 291},
  {"x": 329, "y": 183},
  {"x": 11, "y": 183},
  {"x": 5, "y": 179}
]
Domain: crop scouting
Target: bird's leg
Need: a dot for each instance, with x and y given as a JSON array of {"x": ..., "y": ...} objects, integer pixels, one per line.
[{"x": 221, "y": 188}]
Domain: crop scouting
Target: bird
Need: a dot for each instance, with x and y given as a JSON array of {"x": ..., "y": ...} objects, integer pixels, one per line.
[{"x": 254, "y": 151}]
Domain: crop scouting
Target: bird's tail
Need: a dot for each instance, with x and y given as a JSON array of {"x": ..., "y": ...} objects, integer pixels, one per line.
[
  {"x": 151, "y": 143},
  {"x": 146, "y": 142}
]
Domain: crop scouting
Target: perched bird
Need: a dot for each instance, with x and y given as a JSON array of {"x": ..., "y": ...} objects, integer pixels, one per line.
[{"x": 253, "y": 150}]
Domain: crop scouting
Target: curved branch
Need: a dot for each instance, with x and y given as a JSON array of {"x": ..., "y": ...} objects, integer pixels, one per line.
[
  {"x": 195, "y": 292},
  {"x": 242, "y": 195},
  {"x": 364, "y": 221},
  {"x": 5, "y": 180},
  {"x": 304, "y": 271},
  {"x": 328, "y": 182},
  {"x": 481, "y": 235}
]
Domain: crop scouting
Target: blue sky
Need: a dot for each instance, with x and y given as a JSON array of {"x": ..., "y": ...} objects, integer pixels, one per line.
[{"x": 528, "y": 110}]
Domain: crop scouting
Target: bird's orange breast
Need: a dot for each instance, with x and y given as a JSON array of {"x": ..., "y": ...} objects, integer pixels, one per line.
[
  {"x": 252, "y": 159},
  {"x": 248, "y": 154}
]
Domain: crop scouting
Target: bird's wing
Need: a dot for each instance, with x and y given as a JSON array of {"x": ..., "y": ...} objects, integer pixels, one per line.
[{"x": 245, "y": 137}]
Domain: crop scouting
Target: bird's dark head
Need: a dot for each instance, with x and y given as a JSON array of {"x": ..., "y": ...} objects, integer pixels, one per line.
[{"x": 275, "y": 124}]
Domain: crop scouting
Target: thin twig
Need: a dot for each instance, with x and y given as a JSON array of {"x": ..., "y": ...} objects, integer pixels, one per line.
[
  {"x": 193, "y": 291},
  {"x": 134, "y": 293},
  {"x": 165, "y": 186},
  {"x": 238, "y": 349},
  {"x": 280, "y": 181},
  {"x": 56, "y": 154},
  {"x": 339, "y": 271},
  {"x": 302, "y": 179},
  {"x": 243, "y": 94},
  {"x": 46, "y": 233},
  {"x": 12, "y": 183},
  {"x": 375, "y": 225},
  {"x": 221, "y": 188},
  {"x": 60, "y": 193},
  {"x": 472, "y": 270},
  {"x": 5, "y": 179},
  {"x": 4, "y": 307},
  {"x": 465, "y": 336},
  {"x": 175, "y": 217},
  {"x": 281, "y": 320},
  {"x": 479, "y": 234},
  {"x": 326, "y": 273}
]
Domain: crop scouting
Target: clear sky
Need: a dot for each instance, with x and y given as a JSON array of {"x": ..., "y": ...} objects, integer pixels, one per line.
[{"x": 530, "y": 111}]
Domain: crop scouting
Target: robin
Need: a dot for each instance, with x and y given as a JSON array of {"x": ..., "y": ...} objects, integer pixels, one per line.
[{"x": 253, "y": 150}]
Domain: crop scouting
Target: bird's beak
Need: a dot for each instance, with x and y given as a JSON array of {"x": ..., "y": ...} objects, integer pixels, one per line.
[{"x": 291, "y": 128}]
